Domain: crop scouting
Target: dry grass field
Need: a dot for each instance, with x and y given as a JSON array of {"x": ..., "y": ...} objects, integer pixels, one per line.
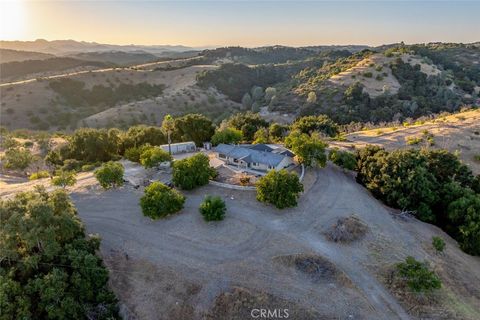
[{"x": 458, "y": 133}]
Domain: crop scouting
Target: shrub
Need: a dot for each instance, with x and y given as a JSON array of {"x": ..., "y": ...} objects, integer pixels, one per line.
[
  {"x": 280, "y": 188},
  {"x": 64, "y": 179},
  {"x": 160, "y": 201},
  {"x": 438, "y": 243},
  {"x": 367, "y": 74},
  {"x": 153, "y": 156},
  {"x": 413, "y": 140},
  {"x": 72, "y": 165},
  {"x": 110, "y": 175},
  {"x": 192, "y": 172},
  {"x": 343, "y": 159},
  {"x": 39, "y": 175},
  {"x": 88, "y": 167},
  {"x": 477, "y": 157},
  {"x": 17, "y": 158},
  {"x": 417, "y": 276},
  {"x": 213, "y": 208}
]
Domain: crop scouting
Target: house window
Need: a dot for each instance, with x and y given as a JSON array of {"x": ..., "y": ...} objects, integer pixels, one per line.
[
  {"x": 221, "y": 155},
  {"x": 235, "y": 160}
]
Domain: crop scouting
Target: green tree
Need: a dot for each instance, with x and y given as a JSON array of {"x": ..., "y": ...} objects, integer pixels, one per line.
[
  {"x": 17, "y": 158},
  {"x": 64, "y": 179},
  {"x": 192, "y": 172},
  {"x": 417, "y": 276},
  {"x": 465, "y": 213},
  {"x": 194, "y": 127},
  {"x": 213, "y": 208},
  {"x": 160, "y": 201},
  {"x": 49, "y": 267},
  {"x": 140, "y": 135},
  {"x": 309, "y": 150},
  {"x": 228, "y": 136},
  {"x": 133, "y": 154},
  {"x": 277, "y": 132},
  {"x": 110, "y": 175},
  {"x": 261, "y": 136},
  {"x": 270, "y": 92},
  {"x": 168, "y": 125},
  {"x": 248, "y": 123},
  {"x": 91, "y": 145},
  {"x": 247, "y": 101},
  {"x": 280, "y": 188},
  {"x": 153, "y": 156},
  {"x": 310, "y": 124}
]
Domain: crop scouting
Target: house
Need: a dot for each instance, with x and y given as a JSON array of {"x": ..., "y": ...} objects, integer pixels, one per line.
[
  {"x": 181, "y": 147},
  {"x": 259, "y": 157}
]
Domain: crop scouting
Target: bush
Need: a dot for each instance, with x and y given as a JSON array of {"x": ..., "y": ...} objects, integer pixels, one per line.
[
  {"x": 160, "y": 201},
  {"x": 110, "y": 175},
  {"x": 344, "y": 159},
  {"x": 17, "y": 158},
  {"x": 213, "y": 208},
  {"x": 280, "y": 188},
  {"x": 72, "y": 165},
  {"x": 88, "y": 167},
  {"x": 64, "y": 179},
  {"x": 438, "y": 243},
  {"x": 39, "y": 175},
  {"x": 152, "y": 157},
  {"x": 192, "y": 172},
  {"x": 417, "y": 276}
]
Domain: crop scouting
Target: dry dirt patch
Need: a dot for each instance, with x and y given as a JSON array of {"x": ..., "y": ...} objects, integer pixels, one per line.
[
  {"x": 150, "y": 291},
  {"x": 315, "y": 267},
  {"x": 238, "y": 303}
]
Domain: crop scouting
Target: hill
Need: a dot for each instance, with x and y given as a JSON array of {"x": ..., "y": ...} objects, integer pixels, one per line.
[
  {"x": 117, "y": 57},
  {"x": 459, "y": 133},
  {"x": 7, "y": 55},
  {"x": 61, "y": 47},
  {"x": 17, "y": 69}
]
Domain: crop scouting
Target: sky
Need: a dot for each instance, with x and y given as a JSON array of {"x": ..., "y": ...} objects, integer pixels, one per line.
[{"x": 245, "y": 23}]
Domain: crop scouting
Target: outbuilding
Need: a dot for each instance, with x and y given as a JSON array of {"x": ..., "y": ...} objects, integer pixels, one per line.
[{"x": 181, "y": 147}]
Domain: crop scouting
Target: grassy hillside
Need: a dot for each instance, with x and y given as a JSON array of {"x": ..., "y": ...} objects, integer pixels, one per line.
[
  {"x": 7, "y": 55},
  {"x": 19, "y": 69}
]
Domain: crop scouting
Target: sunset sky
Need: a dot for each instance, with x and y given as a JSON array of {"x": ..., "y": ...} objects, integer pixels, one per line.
[{"x": 245, "y": 23}]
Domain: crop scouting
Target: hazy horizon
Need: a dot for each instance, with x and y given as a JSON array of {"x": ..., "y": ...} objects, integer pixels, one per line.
[{"x": 244, "y": 23}]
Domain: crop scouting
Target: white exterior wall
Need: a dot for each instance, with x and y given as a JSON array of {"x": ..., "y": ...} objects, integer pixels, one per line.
[
  {"x": 284, "y": 163},
  {"x": 180, "y": 148}
]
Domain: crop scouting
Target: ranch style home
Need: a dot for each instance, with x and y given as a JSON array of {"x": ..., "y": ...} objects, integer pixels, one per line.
[{"x": 258, "y": 157}]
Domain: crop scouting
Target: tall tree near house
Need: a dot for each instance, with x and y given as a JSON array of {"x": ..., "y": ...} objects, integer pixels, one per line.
[{"x": 168, "y": 125}]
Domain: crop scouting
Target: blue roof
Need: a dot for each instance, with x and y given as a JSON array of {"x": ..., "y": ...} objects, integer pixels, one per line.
[{"x": 249, "y": 155}]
